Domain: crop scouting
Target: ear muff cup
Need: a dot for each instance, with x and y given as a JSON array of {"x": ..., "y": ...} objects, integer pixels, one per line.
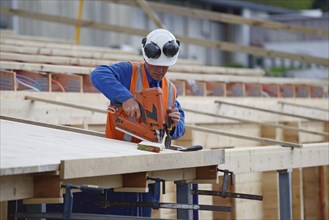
[
  {"x": 171, "y": 48},
  {"x": 151, "y": 50}
]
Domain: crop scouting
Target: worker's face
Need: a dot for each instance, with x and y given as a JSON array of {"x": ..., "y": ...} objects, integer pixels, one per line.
[{"x": 156, "y": 72}]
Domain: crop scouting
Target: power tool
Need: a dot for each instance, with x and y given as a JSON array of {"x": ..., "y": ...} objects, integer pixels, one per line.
[
  {"x": 150, "y": 126},
  {"x": 153, "y": 124}
]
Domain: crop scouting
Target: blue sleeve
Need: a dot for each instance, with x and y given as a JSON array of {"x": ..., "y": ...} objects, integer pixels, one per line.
[
  {"x": 113, "y": 81},
  {"x": 179, "y": 129}
]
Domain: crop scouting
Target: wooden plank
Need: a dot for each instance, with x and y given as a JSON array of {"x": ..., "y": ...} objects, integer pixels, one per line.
[
  {"x": 8, "y": 80},
  {"x": 85, "y": 155},
  {"x": 303, "y": 106},
  {"x": 64, "y": 128},
  {"x": 228, "y": 18},
  {"x": 245, "y": 79},
  {"x": 272, "y": 111},
  {"x": 150, "y": 13},
  {"x": 66, "y": 83},
  {"x": 235, "y": 89},
  {"x": 75, "y": 57},
  {"x": 257, "y": 122},
  {"x": 43, "y": 201},
  {"x": 20, "y": 52},
  {"x": 45, "y": 67},
  {"x": 4, "y": 210},
  {"x": 46, "y": 186},
  {"x": 260, "y": 159},
  {"x": 224, "y": 46},
  {"x": 171, "y": 75},
  {"x": 32, "y": 42},
  {"x": 15, "y": 105},
  {"x": 145, "y": 161},
  {"x": 206, "y": 173},
  {"x": 7, "y": 33},
  {"x": 216, "y": 89},
  {"x": 15, "y": 187},
  {"x": 32, "y": 80},
  {"x": 224, "y": 133}
]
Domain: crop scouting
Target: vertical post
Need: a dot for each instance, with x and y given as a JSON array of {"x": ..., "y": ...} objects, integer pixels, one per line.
[
  {"x": 184, "y": 196},
  {"x": 195, "y": 202},
  {"x": 285, "y": 198},
  {"x": 68, "y": 202},
  {"x": 77, "y": 26}
]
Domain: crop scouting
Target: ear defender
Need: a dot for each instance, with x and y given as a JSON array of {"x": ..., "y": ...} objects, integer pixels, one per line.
[
  {"x": 171, "y": 48},
  {"x": 151, "y": 50}
]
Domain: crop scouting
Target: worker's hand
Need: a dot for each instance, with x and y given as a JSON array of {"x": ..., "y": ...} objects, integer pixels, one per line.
[
  {"x": 131, "y": 108},
  {"x": 174, "y": 115}
]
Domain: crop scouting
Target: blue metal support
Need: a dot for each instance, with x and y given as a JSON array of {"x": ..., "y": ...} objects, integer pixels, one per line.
[
  {"x": 195, "y": 202},
  {"x": 184, "y": 196},
  {"x": 68, "y": 202},
  {"x": 285, "y": 197}
]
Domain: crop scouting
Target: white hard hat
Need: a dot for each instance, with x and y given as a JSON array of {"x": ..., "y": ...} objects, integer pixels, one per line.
[{"x": 160, "y": 48}]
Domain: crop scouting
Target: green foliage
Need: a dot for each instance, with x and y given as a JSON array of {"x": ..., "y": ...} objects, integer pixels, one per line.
[
  {"x": 288, "y": 4},
  {"x": 277, "y": 71}
]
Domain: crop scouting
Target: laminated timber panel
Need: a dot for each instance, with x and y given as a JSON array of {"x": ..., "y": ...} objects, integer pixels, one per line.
[
  {"x": 8, "y": 80},
  {"x": 316, "y": 202},
  {"x": 217, "y": 200},
  {"x": 312, "y": 126},
  {"x": 253, "y": 90},
  {"x": 14, "y": 104},
  {"x": 269, "y": 192},
  {"x": 171, "y": 75},
  {"x": 267, "y": 158},
  {"x": 311, "y": 194},
  {"x": 216, "y": 89},
  {"x": 206, "y": 104},
  {"x": 272, "y": 90},
  {"x": 33, "y": 41},
  {"x": 87, "y": 84},
  {"x": 303, "y": 91},
  {"x": 251, "y": 184},
  {"x": 236, "y": 89},
  {"x": 180, "y": 87},
  {"x": 39, "y": 80},
  {"x": 66, "y": 83},
  {"x": 220, "y": 141},
  {"x": 288, "y": 91},
  {"x": 317, "y": 91},
  {"x": 195, "y": 88},
  {"x": 78, "y": 155}
]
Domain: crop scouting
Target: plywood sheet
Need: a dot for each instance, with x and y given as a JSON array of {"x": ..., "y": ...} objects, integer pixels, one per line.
[{"x": 29, "y": 149}]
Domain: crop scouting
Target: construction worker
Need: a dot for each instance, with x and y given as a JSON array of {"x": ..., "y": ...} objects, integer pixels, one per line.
[{"x": 119, "y": 82}]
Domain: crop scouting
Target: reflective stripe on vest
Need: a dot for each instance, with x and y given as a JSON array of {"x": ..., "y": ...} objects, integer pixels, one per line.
[{"x": 139, "y": 82}]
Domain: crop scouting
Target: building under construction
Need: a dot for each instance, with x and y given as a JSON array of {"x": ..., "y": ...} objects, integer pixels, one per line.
[{"x": 265, "y": 139}]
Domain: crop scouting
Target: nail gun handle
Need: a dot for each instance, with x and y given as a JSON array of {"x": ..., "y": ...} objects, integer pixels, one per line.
[{"x": 193, "y": 148}]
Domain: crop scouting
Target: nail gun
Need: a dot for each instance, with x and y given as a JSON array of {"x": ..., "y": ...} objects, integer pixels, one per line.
[{"x": 150, "y": 126}]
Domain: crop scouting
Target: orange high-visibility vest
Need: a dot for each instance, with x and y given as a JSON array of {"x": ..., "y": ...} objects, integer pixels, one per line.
[{"x": 139, "y": 82}]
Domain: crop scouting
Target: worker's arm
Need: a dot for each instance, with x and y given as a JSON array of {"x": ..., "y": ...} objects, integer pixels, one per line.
[
  {"x": 179, "y": 130},
  {"x": 113, "y": 81}
]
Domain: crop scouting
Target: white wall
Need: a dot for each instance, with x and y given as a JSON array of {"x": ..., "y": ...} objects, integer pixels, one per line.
[{"x": 311, "y": 48}]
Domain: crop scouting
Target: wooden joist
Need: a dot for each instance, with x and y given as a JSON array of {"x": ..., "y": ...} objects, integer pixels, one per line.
[
  {"x": 171, "y": 75},
  {"x": 227, "y": 18},
  {"x": 260, "y": 159},
  {"x": 93, "y": 59},
  {"x": 326, "y": 120},
  {"x": 221, "y": 45},
  {"x": 4, "y": 40}
]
